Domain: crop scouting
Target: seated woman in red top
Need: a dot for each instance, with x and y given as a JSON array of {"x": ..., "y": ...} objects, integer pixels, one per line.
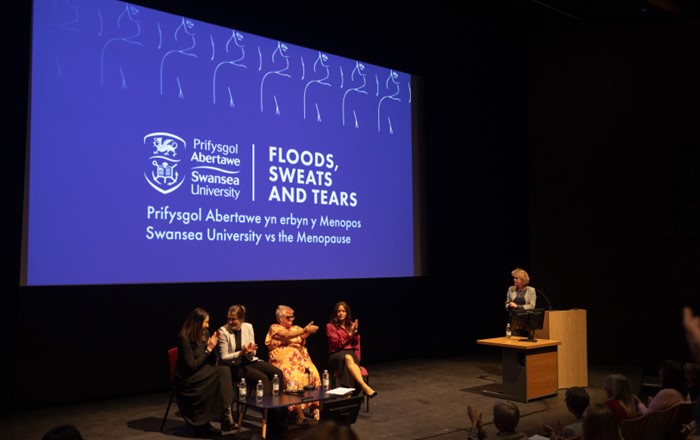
[
  {"x": 343, "y": 344},
  {"x": 620, "y": 399}
]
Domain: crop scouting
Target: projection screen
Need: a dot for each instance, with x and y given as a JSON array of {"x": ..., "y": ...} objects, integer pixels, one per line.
[{"x": 163, "y": 149}]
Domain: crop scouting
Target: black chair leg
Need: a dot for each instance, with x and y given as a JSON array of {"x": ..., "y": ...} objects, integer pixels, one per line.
[
  {"x": 366, "y": 378},
  {"x": 167, "y": 410}
]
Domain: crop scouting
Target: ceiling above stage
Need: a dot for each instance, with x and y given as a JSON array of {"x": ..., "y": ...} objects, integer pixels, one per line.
[{"x": 563, "y": 14}]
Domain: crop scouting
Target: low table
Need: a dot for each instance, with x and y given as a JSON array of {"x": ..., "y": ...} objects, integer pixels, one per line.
[{"x": 282, "y": 401}]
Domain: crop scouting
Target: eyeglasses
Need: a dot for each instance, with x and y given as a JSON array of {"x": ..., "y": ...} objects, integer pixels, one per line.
[{"x": 290, "y": 316}]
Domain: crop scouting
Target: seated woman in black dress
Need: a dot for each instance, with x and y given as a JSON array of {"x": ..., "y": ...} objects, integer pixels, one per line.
[{"x": 203, "y": 390}]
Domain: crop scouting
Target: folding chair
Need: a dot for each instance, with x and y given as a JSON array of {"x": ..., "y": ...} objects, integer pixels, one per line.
[
  {"x": 633, "y": 429},
  {"x": 658, "y": 424},
  {"x": 682, "y": 415},
  {"x": 363, "y": 371}
]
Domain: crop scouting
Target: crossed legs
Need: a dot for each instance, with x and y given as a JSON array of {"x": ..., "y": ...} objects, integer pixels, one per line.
[{"x": 356, "y": 374}]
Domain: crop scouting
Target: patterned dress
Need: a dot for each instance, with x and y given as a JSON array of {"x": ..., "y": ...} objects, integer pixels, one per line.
[{"x": 290, "y": 356}]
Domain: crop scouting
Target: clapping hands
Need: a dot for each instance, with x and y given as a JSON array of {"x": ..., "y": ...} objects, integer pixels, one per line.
[
  {"x": 691, "y": 323},
  {"x": 250, "y": 348},
  {"x": 213, "y": 340},
  {"x": 311, "y": 328},
  {"x": 475, "y": 417},
  {"x": 557, "y": 430}
]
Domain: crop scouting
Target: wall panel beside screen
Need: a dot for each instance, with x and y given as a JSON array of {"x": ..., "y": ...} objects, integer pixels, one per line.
[{"x": 166, "y": 149}]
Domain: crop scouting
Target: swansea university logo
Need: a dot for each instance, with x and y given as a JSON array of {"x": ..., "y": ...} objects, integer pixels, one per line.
[{"x": 164, "y": 152}]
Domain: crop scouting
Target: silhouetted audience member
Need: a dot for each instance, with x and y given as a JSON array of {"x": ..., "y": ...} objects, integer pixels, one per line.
[
  {"x": 692, "y": 374},
  {"x": 599, "y": 423},
  {"x": 506, "y": 416},
  {"x": 691, "y": 323},
  {"x": 63, "y": 432},
  {"x": 674, "y": 386},
  {"x": 577, "y": 400},
  {"x": 623, "y": 403}
]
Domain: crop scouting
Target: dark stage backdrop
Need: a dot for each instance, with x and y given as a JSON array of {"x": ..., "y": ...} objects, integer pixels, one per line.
[{"x": 615, "y": 186}]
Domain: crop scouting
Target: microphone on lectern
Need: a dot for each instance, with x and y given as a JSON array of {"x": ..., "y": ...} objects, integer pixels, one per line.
[{"x": 545, "y": 297}]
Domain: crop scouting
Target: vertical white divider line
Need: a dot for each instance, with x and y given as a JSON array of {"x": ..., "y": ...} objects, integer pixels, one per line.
[{"x": 253, "y": 173}]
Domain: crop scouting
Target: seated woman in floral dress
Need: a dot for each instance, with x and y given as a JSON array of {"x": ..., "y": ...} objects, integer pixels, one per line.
[{"x": 286, "y": 344}]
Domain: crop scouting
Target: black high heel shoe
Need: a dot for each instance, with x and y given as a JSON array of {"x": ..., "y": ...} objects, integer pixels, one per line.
[{"x": 372, "y": 396}]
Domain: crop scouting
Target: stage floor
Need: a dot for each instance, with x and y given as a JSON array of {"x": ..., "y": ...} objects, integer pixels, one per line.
[{"x": 418, "y": 399}]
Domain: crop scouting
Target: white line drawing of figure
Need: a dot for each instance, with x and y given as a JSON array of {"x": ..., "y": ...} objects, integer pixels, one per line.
[
  {"x": 67, "y": 17},
  {"x": 126, "y": 22},
  {"x": 235, "y": 40},
  {"x": 185, "y": 33},
  {"x": 391, "y": 81},
  {"x": 321, "y": 63},
  {"x": 280, "y": 53},
  {"x": 358, "y": 71}
]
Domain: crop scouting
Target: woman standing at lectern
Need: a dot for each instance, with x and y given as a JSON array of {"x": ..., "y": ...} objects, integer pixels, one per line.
[{"x": 520, "y": 296}]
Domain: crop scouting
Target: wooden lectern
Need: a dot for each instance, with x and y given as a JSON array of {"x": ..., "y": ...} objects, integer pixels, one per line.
[
  {"x": 569, "y": 327},
  {"x": 529, "y": 368}
]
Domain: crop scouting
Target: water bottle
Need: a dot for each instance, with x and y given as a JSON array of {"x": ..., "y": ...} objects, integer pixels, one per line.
[
  {"x": 242, "y": 389},
  {"x": 259, "y": 390},
  {"x": 325, "y": 381},
  {"x": 275, "y": 385},
  {"x": 508, "y": 330}
]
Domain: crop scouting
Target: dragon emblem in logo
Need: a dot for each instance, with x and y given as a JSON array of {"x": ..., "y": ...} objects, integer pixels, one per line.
[{"x": 161, "y": 172}]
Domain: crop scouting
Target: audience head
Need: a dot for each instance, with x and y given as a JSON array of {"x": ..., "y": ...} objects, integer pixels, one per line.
[
  {"x": 348, "y": 314},
  {"x": 196, "y": 326},
  {"x": 506, "y": 416},
  {"x": 521, "y": 275},
  {"x": 577, "y": 400},
  {"x": 329, "y": 430},
  {"x": 285, "y": 315},
  {"x": 599, "y": 423},
  {"x": 673, "y": 375},
  {"x": 64, "y": 432},
  {"x": 618, "y": 387}
]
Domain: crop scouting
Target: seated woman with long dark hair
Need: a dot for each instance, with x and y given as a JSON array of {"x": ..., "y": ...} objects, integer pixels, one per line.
[
  {"x": 203, "y": 390},
  {"x": 343, "y": 345}
]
